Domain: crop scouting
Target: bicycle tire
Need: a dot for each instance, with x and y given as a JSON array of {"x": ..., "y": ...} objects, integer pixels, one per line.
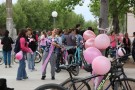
[
  {"x": 124, "y": 84},
  {"x": 79, "y": 86},
  {"x": 1, "y": 61},
  {"x": 74, "y": 71},
  {"x": 50, "y": 87},
  {"x": 38, "y": 57}
]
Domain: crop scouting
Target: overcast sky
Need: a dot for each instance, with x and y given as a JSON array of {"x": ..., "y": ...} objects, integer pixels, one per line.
[{"x": 84, "y": 10}]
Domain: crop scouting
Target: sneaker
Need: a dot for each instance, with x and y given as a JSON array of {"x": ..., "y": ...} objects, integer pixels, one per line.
[
  {"x": 18, "y": 79},
  {"x": 25, "y": 78},
  {"x": 43, "y": 77},
  {"x": 10, "y": 66},
  {"x": 53, "y": 78}
]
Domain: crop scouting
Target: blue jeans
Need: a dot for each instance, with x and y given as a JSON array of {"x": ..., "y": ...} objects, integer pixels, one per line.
[
  {"x": 31, "y": 59},
  {"x": 21, "y": 74},
  {"x": 7, "y": 57}
]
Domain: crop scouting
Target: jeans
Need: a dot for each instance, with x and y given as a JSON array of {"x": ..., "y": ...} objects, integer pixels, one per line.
[
  {"x": 31, "y": 59},
  {"x": 21, "y": 74},
  {"x": 7, "y": 57}
]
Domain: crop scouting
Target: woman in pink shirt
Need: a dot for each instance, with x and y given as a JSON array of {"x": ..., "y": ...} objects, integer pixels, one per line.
[
  {"x": 21, "y": 74},
  {"x": 113, "y": 44}
]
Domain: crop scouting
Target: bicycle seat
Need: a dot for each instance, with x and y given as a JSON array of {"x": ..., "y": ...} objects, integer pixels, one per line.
[
  {"x": 68, "y": 67},
  {"x": 71, "y": 68}
]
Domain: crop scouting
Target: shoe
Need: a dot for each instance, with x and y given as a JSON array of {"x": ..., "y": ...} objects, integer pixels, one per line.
[
  {"x": 43, "y": 77},
  {"x": 25, "y": 78},
  {"x": 18, "y": 79},
  {"x": 10, "y": 66},
  {"x": 53, "y": 78}
]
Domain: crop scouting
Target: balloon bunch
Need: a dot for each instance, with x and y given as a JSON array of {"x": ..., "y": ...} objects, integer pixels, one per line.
[{"x": 100, "y": 64}]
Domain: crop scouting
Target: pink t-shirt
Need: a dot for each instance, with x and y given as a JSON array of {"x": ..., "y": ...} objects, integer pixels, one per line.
[
  {"x": 24, "y": 45},
  {"x": 113, "y": 41}
]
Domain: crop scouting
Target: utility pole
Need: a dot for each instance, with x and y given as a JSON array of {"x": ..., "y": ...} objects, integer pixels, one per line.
[{"x": 9, "y": 19}]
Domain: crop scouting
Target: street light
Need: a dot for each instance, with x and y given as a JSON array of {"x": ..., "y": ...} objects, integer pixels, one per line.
[{"x": 54, "y": 15}]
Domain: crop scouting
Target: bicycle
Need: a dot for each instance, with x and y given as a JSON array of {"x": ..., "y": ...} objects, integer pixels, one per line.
[
  {"x": 114, "y": 75},
  {"x": 1, "y": 58}
]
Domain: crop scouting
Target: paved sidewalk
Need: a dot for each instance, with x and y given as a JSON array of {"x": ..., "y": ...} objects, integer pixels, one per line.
[{"x": 35, "y": 77}]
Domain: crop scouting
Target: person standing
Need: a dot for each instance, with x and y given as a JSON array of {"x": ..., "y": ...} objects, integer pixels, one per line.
[
  {"x": 32, "y": 44},
  {"x": 7, "y": 48},
  {"x": 133, "y": 48},
  {"x": 23, "y": 46},
  {"x": 53, "y": 43},
  {"x": 127, "y": 43},
  {"x": 113, "y": 43},
  {"x": 58, "y": 50}
]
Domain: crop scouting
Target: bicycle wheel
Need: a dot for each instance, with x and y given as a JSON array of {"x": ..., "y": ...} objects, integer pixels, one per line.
[
  {"x": 125, "y": 84},
  {"x": 71, "y": 60},
  {"x": 79, "y": 85},
  {"x": 1, "y": 61},
  {"x": 50, "y": 87},
  {"x": 38, "y": 57}
]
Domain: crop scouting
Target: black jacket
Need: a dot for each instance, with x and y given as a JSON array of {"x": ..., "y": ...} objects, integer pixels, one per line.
[
  {"x": 127, "y": 44},
  {"x": 7, "y": 43},
  {"x": 32, "y": 44}
]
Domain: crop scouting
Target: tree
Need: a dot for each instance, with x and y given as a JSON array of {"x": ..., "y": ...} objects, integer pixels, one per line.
[
  {"x": 117, "y": 10},
  {"x": 2, "y": 15}
]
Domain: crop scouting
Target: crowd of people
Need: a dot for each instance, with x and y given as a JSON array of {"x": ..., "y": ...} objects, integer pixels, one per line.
[{"x": 51, "y": 43}]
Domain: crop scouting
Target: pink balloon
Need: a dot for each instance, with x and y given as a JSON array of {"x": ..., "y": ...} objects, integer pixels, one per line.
[
  {"x": 88, "y": 34},
  {"x": 101, "y": 65},
  {"x": 121, "y": 52},
  {"x": 90, "y": 43},
  {"x": 91, "y": 53},
  {"x": 102, "y": 41},
  {"x": 19, "y": 55}
]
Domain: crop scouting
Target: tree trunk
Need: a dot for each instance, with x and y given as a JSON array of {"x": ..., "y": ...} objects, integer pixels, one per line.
[
  {"x": 116, "y": 23},
  {"x": 103, "y": 20},
  {"x": 9, "y": 19}
]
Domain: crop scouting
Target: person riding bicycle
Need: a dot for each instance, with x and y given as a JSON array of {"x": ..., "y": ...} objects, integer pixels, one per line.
[
  {"x": 58, "y": 49},
  {"x": 70, "y": 43},
  {"x": 79, "y": 40}
]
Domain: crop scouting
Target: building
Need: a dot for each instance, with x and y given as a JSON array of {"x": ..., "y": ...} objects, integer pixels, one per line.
[{"x": 130, "y": 24}]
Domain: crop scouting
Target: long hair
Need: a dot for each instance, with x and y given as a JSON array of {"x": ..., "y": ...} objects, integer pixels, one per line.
[
  {"x": 6, "y": 33},
  {"x": 22, "y": 33}
]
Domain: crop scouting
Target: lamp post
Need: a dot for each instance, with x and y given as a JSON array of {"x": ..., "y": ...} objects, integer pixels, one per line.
[{"x": 54, "y": 15}]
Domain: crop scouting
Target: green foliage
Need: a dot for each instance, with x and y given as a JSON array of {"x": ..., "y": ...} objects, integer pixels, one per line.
[
  {"x": 2, "y": 15},
  {"x": 37, "y": 14}
]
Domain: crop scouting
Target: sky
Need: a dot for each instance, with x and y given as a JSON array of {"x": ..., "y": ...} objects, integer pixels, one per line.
[{"x": 84, "y": 10}]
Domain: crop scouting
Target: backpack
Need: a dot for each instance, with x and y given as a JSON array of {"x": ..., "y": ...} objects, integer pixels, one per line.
[{"x": 17, "y": 46}]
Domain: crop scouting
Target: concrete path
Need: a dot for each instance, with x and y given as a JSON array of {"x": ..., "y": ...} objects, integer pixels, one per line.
[{"x": 35, "y": 77}]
